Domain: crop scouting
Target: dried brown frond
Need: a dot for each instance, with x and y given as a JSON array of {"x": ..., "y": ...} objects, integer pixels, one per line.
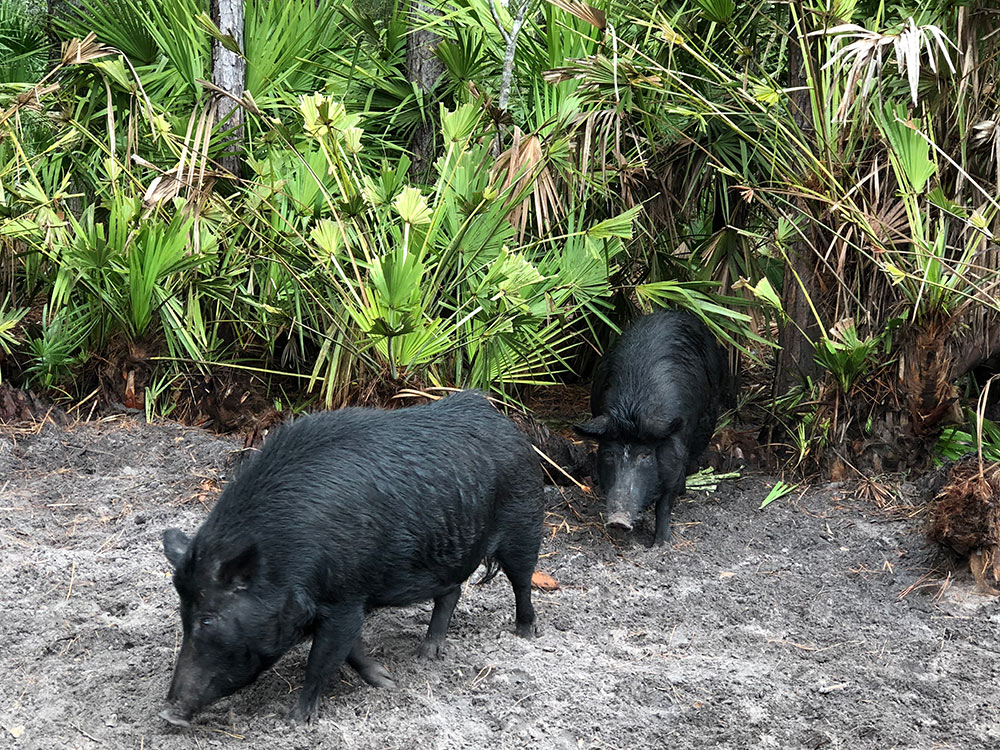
[
  {"x": 966, "y": 517},
  {"x": 879, "y": 494},
  {"x": 595, "y": 71},
  {"x": 524, "y": 167},
  {"x": 887, "y": 219},
  {"x": 986, "y": 136},
  {"x": 601, "y": 137},
  {"x": 194, "y": 175},
  {"x": 246, "y": 101},
  {"x": 79, "y": 51},
  {"x": 584, "y": 12},
  {"x": 30, "y": 99}
]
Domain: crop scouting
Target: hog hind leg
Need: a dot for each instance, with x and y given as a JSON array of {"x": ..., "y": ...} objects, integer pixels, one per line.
[
  {"x": 518, "y": 566},
  {"x": 444, "y": 606}
]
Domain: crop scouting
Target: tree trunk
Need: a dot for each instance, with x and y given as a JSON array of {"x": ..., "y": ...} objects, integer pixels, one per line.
[
  {"x": 796, "y": 357},
  {"x": 53, "y": 10},
  {"x": 229, "y": 73},
  {"x": 423, "y": 69}
]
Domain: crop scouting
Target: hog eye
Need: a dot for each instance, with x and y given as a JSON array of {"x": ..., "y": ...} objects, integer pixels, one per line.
[{"x": 207, "y": 621}]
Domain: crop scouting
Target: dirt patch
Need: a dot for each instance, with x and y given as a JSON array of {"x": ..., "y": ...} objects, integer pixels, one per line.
[{"x": 780, "y": 628}]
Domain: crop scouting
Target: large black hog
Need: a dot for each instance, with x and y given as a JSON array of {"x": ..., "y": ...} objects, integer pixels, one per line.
[
  {"x": 341, "y": 513},
  {"x": 655, "y": 400}
]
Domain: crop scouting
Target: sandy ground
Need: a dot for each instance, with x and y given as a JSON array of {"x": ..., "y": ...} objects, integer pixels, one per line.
[{"x": 810, "y": 624}]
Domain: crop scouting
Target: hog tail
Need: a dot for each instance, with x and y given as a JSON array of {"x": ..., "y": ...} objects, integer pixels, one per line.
[{"x": 492, "y": 568}]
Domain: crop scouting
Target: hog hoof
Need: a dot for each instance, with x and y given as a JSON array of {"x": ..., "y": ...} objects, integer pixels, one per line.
[
  {"x": 175, "y": 718},
  {"x": 432, "y": 648},
  {"x": 527, "y": 630},
  {"x": 377, "y": 676},
  {"x": 304, "y": 714}
]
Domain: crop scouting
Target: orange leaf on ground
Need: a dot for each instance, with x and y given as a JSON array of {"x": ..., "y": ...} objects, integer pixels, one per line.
[{"x": 544, "y": 581}]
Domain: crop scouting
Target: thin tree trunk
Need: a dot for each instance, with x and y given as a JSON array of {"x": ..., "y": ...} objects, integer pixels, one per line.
[
  {"x": 423, "y": 69},
  {"x": 797, "y": 358},
  {"x": 519, "y": 10},
  {"x": 229, "y": 73},
  {"x": 54, "y": 9}
]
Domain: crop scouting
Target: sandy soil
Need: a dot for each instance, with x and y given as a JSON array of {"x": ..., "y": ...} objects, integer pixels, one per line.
[{"x": 810, "y": 624}]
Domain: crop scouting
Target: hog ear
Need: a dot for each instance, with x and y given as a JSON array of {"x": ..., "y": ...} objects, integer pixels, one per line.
[
  {"x": 595, "y": 428},
  {"x": 238, "y": 571},
  {"x": 175, "y": 545}
]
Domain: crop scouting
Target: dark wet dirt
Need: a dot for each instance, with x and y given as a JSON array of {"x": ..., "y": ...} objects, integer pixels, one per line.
[{"x": 809, "y": 624}]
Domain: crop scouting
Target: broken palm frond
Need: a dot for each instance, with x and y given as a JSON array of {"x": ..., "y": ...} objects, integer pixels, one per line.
[
  {"x": 986, "y": 135},
  {"x": 966, "y": 516},
  {"x": 880, "y": 494},
  {"x": 707, "y": 480},
  {"x": 524, "y": 167},
  {"x": 88, "y": 49},
  {"x": 191, "y": 172},
  {"x": 602, "y": 136},
  {"x": 29, "y": 99}
]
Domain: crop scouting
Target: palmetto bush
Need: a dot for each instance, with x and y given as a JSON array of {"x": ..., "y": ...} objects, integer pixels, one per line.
[
  {"x": 825, "y": 155},
  {"x": 324, "y": 263},
  {"x": 435, "y": 282}
]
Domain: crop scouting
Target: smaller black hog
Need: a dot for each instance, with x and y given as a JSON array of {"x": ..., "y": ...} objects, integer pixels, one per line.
[{"x": 655, "y": 401}]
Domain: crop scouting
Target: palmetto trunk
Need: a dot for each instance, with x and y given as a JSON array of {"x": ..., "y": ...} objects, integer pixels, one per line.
[{"x": 930, "y": 396}]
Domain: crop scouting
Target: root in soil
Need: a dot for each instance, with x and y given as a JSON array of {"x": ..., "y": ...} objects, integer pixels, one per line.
[{"x": 966, "y": 517}]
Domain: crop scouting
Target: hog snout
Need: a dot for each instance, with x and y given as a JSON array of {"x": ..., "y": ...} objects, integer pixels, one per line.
[
  {"x": 191, "y": 689},
  {"x": 621, "y": 520}
]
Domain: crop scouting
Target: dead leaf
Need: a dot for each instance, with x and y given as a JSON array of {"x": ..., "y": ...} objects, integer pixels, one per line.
[
  {"x": 726, "y": 574},
  {"x": 17, "y": 731},
  {"x": 543, "y": 581}
]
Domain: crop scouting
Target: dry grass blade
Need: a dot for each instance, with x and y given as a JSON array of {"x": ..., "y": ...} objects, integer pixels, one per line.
[
  {"x": 980, "y": 418},
  {"x": 584, "y": 12},
  {"x": 247, "y": 101},
  {"x": 79, "y": 51}
]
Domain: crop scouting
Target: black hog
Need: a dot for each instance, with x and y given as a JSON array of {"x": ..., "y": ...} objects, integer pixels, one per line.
[
  {"x": 655, "y": 401},
  {"x": 341, "y": 513}
]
